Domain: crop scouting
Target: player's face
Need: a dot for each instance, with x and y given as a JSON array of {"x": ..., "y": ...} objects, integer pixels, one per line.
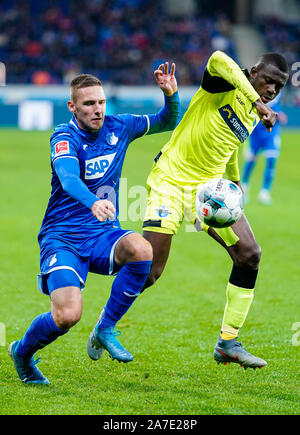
[
  {"x": 268, "y": 81},
  {"x": 89, "y": 107}
]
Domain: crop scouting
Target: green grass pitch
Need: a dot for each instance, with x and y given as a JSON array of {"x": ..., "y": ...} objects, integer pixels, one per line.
[{"x": 172, "y": 328}]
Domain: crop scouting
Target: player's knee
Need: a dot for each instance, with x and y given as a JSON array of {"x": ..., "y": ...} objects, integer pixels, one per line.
[
  {"x": 66, "y": 318},
  {"x": 144, "y": 251},
  {"x": 138, "y": 249},
  {"x": 255, "y": 255},
  {"x": 250, "y": 257}
]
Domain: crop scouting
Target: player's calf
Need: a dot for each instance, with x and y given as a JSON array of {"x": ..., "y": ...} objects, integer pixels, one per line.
[
  {"x": 125, "y": 289},
  {"x": 154, "y": 275},
  {"x": 161, "y": 244}
]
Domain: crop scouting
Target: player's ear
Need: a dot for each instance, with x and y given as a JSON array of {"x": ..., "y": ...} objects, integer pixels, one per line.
[
  {"x": 253, "y": 72},
  {"x": 71, "y": 106}
]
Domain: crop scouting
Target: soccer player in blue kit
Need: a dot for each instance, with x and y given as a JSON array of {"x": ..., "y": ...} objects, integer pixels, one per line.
[
  {"x": 268, "y": 143},
  {"x": 80, "y": 231}
]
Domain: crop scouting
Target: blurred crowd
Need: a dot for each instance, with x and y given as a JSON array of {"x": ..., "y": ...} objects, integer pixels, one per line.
[
  {"x": 120, "y": 41},
  {"x": 284, "y": 37}
]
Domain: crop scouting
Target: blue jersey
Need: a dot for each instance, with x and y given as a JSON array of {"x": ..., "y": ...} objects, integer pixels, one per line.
[{"x": 100, "y": 157}]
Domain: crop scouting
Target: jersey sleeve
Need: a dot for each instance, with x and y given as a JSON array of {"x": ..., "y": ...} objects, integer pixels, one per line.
[
  {"x": 63, "y": 144},
  {"x": 165, "y": 120},
  {"x": 137, "y": 125},
  {"x": 168, "y": 117},
  {"x": 224, "y": 74},
  {"x": 232, "y": 167}
]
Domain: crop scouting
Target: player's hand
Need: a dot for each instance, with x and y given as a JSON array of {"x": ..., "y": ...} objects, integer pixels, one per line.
[
  {"x": 267, "y": 115},
  {"x": 166, "y": 80},
  {"x": 103, "y": 210}
]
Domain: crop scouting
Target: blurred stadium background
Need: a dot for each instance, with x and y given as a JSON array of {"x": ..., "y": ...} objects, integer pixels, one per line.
[
  {"x": 44, "y": 44},
  {"x": 173, "y": 328}
]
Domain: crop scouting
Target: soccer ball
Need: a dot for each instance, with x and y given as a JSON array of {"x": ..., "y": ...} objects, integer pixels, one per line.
[{"x": 219, "y": 203}]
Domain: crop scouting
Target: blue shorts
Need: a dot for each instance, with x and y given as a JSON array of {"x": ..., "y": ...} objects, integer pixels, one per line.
[
  {"x": 59, "y": 255},
  {"x": 269, "y": 145}
]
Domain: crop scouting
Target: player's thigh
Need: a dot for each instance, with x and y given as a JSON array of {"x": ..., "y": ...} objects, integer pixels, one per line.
[
  {"x": 165, "y": 204},
  {"x": 239, "y": 241},
  {"x": 102, "y": 258},
  {"x": 61, "y": 267}
]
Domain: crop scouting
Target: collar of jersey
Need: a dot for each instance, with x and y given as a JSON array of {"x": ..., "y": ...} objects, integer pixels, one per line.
[
  {"x": 246, "y": 72},
  {"x": 86, "y": 134}
]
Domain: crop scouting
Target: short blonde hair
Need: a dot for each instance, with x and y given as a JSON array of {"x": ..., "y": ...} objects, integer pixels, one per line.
[{"x": 83, "y": 81}]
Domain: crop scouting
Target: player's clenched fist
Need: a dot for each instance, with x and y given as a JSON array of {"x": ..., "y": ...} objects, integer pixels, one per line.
[
  {"x": 267, "y": 115},
  {"x": 103, "y": 210}
]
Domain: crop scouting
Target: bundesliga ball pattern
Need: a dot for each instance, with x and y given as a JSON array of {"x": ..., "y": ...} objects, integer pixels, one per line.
[{"x": 219, "y": 203}]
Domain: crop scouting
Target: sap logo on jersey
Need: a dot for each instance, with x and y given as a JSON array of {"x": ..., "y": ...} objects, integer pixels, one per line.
[{"x": 96, "y": 167}]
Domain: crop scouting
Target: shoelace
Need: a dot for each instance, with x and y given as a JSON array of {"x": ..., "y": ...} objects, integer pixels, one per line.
[
  {"x": 33, "y": 363},
  {"x": 27, "y": 370},
  {"x": 239, "y": 344}
]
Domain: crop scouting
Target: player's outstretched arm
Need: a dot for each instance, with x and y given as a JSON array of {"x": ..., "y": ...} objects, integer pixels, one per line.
[{"x": 168, "y": 117}]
